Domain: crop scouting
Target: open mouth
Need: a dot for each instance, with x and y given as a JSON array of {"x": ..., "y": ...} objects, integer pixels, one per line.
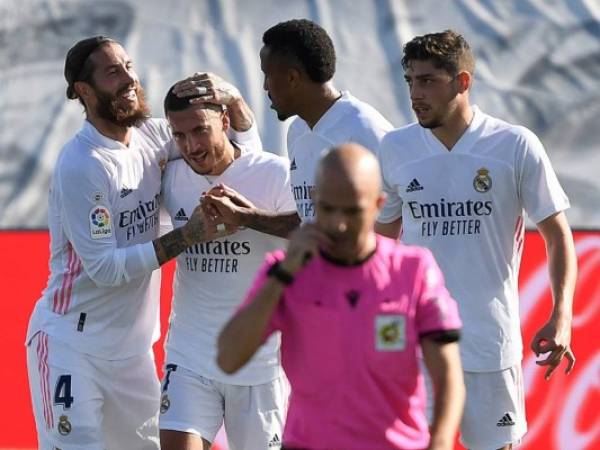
[{"x": 129, "y": 94}]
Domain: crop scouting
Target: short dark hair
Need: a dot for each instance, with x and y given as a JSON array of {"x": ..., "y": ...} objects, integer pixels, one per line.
[
  {"x": 78, "y": 65},
  {"x": 447, "y": 50},
  {"x": 174, "y": 103},
  {"x": 308, "y": 43}
]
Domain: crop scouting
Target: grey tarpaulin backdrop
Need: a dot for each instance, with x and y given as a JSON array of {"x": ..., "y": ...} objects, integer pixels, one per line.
[{"x": 538, "y": 64}]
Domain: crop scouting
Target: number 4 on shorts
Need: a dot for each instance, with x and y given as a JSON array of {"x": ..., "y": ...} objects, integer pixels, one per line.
[{"x": 62, "y": 393}]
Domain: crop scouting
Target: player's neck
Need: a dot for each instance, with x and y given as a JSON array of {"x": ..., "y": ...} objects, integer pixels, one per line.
[
  {"x": 230, "y": 154},
  {"x": 454, "y": 127},
  {"x": 110, "y": 130},
  {"x": 317, "y": 101}
]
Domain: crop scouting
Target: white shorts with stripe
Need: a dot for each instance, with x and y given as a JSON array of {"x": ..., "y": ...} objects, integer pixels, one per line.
[
  {"x": 253, "y": 415},
  {"x": 494, "y": 413},
  {"x": 87, "y": 403}
]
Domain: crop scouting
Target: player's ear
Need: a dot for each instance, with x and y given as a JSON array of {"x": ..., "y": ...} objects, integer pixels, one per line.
[
  {"x": 294, "y": 76},
  {"x": 225, "y": 120},
  {"x": 464, "y": 80},
  {"x": 83, "y": 90}
]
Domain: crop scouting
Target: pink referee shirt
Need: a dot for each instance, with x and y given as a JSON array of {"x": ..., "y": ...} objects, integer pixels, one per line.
[{"x": 350, "y": 346}]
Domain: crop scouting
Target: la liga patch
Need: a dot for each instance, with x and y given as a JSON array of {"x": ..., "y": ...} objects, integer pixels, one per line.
[{"x": 100, "y": 222}]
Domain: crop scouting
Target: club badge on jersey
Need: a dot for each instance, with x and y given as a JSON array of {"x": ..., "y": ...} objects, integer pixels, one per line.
[
  {"x": 482, "y": 181},
  {"x": 390, "y": 332},
  {"x": 100, "y": 222}
]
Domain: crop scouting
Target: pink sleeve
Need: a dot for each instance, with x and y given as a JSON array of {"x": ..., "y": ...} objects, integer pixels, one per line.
[
  {"x": 436, "y": 310},
  {"x": 257, "y": 284}
]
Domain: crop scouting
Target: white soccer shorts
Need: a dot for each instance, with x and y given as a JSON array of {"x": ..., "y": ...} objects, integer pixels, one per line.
[
  {"x": 253, "y": 415},
  {"x": 494, "y": 413},
  {"x": 85, "y": 403}
]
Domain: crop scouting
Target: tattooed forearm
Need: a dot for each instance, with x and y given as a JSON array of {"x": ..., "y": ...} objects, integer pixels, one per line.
[
  {"x": 275, "y": 224},
  {"x": 172, "y": 244},
  {"x": 169, "y": 246}
]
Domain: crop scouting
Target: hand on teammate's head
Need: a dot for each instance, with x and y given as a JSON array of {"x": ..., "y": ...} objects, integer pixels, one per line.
[{"x": 207, "y": 87}]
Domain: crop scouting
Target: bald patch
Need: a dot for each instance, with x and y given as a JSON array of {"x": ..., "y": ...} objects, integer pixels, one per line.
[{"x": 352, "y": 166}]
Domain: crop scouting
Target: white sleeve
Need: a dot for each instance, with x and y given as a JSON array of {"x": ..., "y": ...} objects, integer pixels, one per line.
[
  {"x": 284, "y": 201},
  {"x": 249, "y": 138},
  {"x": 88, "y": 222},
  {"x": 540, "y": 192},
  {"x": 392, "y": 210}
]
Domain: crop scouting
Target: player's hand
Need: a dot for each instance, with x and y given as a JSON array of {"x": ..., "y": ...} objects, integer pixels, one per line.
[
  {"x": 226, "y": 205},
  {"x": 201, "y": 227},
  {"x": 211, "y": 88},
  {"x": 222, "y": 190},
  {"x": 554, "y": 338},
  {"x": 304, "y": 244}
]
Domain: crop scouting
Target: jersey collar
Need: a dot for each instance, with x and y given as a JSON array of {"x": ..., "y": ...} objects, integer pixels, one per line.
[{"x": 466, "y": 141}]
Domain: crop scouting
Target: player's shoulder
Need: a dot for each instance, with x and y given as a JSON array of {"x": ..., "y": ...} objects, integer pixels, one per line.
[
  {"x": 154, "y": 126},
  {"x": 175, "y": 168},
  {"x": 155, "y": 131},
  {"x": 363, "y": 113},
  {"x": 500, "y": 128},
  {"x": 399, "y": 138},
  {"x": 266, "y": 163},
  {"x": 80, "y": 156}
]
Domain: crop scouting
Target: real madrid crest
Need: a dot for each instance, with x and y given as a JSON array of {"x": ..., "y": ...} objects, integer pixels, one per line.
[
  {"x": 64, "y": 426},
  {"x": 165, "y": 403},
  {"x": 482, "y": 181}
]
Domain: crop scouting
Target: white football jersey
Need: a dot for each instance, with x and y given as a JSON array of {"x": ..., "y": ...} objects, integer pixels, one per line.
[
  {"x": 102, "y": 296},
  {"x": 212, "y": 277},
  {"x": 466, "y": 206},
  {"x": 348, "y": 120}
]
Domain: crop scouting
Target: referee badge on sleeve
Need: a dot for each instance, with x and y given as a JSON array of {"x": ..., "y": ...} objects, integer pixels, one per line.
[
  {"x": 390, "y": 333},
  {"x": 100, "y": 222}
]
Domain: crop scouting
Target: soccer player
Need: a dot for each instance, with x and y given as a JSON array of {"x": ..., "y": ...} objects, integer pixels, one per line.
[
  {"x": 458, "y": 182},
  {"x": 210, "y": 282},
  {"x": 354, "y": 310},
  {"x": 298, "y": 62},
  {"x": 91, "y": 367}
]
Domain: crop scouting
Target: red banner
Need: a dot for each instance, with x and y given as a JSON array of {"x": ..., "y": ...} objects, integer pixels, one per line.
[{"x": 562, "y": 413}]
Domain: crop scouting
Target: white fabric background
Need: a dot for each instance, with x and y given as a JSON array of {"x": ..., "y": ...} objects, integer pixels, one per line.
[{"x": 538, "y": 64}]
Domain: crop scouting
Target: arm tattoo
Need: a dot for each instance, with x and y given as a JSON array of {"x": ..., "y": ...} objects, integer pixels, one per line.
[
  {"x": 275, "y": 224},
  {"x": 172, "y": 244}
]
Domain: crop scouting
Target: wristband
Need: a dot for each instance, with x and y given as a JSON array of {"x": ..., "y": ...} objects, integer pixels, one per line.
[{"x": 280, "y": 274}]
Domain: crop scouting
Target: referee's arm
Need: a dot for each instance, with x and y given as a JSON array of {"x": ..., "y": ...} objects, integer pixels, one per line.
[{"x": 441, "y": 354}]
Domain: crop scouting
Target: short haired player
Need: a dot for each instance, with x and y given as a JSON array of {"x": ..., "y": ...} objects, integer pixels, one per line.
[{"x": 458, "y": 182}]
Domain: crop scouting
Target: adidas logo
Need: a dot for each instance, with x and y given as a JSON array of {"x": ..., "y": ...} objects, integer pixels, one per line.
[
  {"x": 414, "y": 186},
  {"x": 125, "y": 192},
  {"x": 506, "y": 421},
  {"x": 275, "y": 442},
  {"x": 181, "y": 215},
  {"x": 293, "y": 165}
]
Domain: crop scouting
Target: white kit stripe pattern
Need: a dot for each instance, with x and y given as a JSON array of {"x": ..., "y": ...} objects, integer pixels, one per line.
[
  {"x": 44, "y": 371},
  {"x": 62, "y": 296}
]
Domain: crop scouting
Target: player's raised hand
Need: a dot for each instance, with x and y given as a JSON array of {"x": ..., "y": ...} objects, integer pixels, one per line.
[
  {"x": 209, "y": 88},
  {"x": 554, "y": 338}
]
